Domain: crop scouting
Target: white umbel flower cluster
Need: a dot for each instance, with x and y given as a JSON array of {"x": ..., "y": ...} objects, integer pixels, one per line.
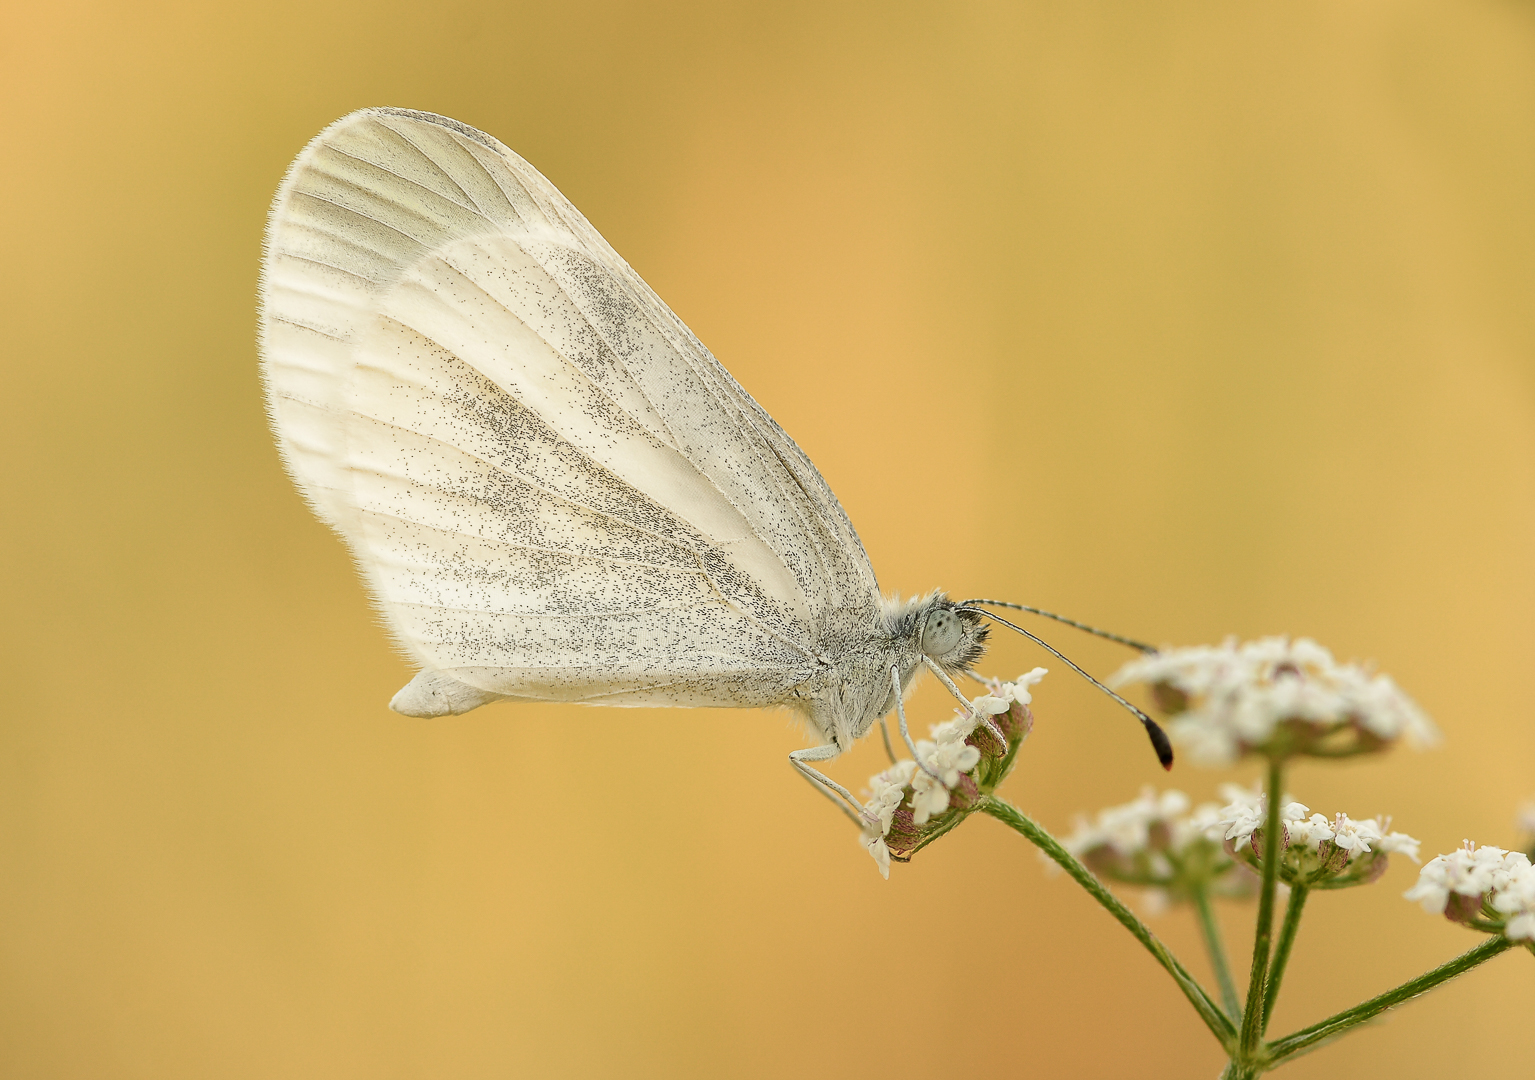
[
  {"x": 947, "y": 755},
  {"x": 1131, "y": 828},
  {"x": 1157, "y": 843},
  {"x": 1275, "y": 696},
  {"x": 1315, "y": 851},
  {"x": 946, "y": 752},
  {"x": 1248, "y": 811},
  {"x": 1485, "y": 887}
]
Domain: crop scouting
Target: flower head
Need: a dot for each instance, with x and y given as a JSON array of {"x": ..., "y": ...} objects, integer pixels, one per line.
[
  {"x": 1156, "y": 842},
  {"x": 965, "y": 757},
  {"x": 1315, "y": 851},
  {"x": 1485, "y": 888},
  {"x": 1275, "y": 697}
]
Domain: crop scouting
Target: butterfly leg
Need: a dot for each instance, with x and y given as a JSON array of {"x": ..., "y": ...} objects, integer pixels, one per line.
[
  {"x": 839, "y": 795},
  {"x": 900, "y": 716},
  {"x": 986, "y": 721},
  {"x": 884, "y": 734}
]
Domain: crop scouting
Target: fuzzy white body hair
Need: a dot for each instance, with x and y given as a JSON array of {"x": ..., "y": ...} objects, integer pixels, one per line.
[{"x": 552, "y": 490}]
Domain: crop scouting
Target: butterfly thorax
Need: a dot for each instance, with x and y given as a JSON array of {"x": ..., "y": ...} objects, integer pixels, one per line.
[{"x": 856, "y": 689}]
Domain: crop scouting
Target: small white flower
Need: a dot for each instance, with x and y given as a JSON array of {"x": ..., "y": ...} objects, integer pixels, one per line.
[
  {"x": 948, "y": 758},
  {"x": 956, "y": 730},
  {"x": 929, "y": 798},
  {"x": 1239, "y": 694},
  {"x": 1515, "y": 900},
  {"x": 1355, "y": 837},
  {"x": 1309, "y": 832},
  {"x": 1003, "y": 696},
  {"x": 1242, "y": 816},
  {"x": 1018, "y": 689},
  {"x": 1392, "y": 843},
  {"x": 886, "y": 791},
  {"x": 880, "y": 851},
  {"x": 990, "y": 705}
]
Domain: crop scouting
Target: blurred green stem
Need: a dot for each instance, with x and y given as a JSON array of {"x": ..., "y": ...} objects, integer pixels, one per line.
[
  {"x": 1217, "y": 950},
  {"x": 1220, "y": 1026},
  {"x": 1252, "y": 1016},
  {"x": 1290, "y": 1045},
  {"x": 1292, "y": 914}
]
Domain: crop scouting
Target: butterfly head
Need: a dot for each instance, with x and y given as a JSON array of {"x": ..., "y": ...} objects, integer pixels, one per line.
[{"x": 952, "y": 638}]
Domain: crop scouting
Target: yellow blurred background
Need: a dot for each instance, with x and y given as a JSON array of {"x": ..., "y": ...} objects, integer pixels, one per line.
[{"x": 1185, "y": 319}]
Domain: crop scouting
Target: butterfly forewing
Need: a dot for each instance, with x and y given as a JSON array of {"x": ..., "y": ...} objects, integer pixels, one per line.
[{"x": 553, "y": 490}]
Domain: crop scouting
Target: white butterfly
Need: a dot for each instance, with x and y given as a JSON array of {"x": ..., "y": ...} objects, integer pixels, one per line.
[{"x": 552, "y": 489}]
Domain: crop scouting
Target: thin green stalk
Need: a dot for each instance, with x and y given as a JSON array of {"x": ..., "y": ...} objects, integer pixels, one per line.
[
  {"x": 1290, "y": 1045},
  {"x": 1252, "y": 1017},
  {"x": 1217, "y": 951},
  {"x": 1208, "y": 1011},
  {"x": 1292, "y": 913}
]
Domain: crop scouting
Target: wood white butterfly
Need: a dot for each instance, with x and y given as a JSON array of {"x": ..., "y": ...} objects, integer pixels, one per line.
[{"x": 553, "y": 491}]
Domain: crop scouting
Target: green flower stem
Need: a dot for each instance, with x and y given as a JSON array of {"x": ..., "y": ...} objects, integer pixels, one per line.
[
  {"x": 1252, "y": 1017},
  {"x": 1290, "y": 1045},
  {"x": 1217, "y": 951},
  {"x": 1208, "y": 1011},
  {"x": 1292, "y": 913}
]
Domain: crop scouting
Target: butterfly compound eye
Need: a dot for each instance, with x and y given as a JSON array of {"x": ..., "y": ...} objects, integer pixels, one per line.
[{"x": 941, "y": 634}]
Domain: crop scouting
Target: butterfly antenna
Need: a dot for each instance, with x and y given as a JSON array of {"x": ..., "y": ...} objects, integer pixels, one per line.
[
  {"x": 1159, "y": 741},
  {"x": 1141, "y": 645}
]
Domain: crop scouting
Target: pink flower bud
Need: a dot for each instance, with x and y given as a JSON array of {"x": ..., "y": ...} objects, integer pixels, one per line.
[
  {"x": 1376, "y": 867},
  {"x": 965, "y": 794},
  {"x": 1169, "y": 698},
  {"x": 1016, "y": 723},
  {"x": 904, "y": 834},
  {"x": 1462, "y": 908},
  {"x": 1333, "y": 858}
]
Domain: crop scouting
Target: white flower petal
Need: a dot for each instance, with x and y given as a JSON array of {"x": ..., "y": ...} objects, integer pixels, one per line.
[
  {"x": 877, "y": 848},
  {"x": 1400, "y": 843},
  {"x": 929, "y": 797},
  {"x": 1521, "y": 927}
]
